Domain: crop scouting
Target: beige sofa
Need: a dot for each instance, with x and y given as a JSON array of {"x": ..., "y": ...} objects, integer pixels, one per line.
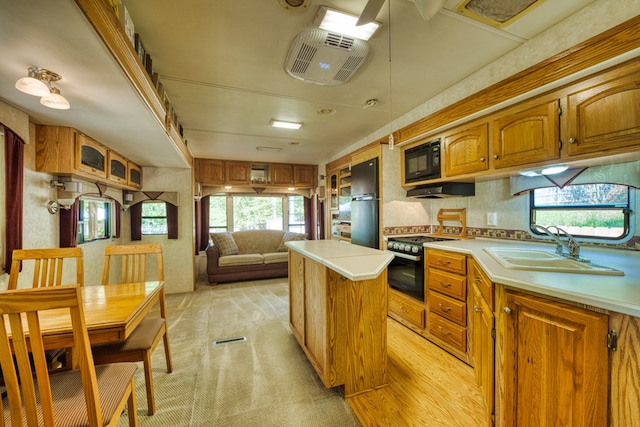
[{"x": 248, "y": 255}]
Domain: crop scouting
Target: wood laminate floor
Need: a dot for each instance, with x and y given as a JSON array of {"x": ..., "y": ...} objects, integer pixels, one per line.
[{"x": 427, "y": 387}]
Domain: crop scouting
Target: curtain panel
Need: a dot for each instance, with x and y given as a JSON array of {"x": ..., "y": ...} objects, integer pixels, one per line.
[{"x": 14, "y": 187}]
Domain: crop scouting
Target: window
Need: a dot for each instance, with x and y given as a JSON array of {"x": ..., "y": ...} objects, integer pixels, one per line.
[
  {"x": 154, "y": 218},
  {"x": 241, "y": 212},
  {"x": 592, "y": 212},
  {"x": 94, "y": 219}
]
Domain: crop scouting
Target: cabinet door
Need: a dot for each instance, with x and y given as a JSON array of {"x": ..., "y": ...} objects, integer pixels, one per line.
[
  {"x": 281, "y": 174},
  {"x": 210, "y": 172},
  {"x": 525, "y": 135},
  {"x": 91, "y": 157},
  {"x": 117, "y": 171},
  {"x": 604, "y": 116},
  {"x": 135, "y": 175},
  {"x": 296, "y": 295},
  {"x": 555, "y": 364},
  {"x": 303, "y": 175},
  {"x": 483, "y": 348},
  {"x": 237, "y": 173},
  {"x": 466, "y": 151}
]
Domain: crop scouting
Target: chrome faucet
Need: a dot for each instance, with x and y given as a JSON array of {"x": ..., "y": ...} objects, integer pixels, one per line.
[{"x": 572, "y": 245}]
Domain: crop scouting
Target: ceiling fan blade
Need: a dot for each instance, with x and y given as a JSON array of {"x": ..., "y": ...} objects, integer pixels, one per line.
[
  {"x": 428, "y": 8},
  {"x": 370, "y": 12}
]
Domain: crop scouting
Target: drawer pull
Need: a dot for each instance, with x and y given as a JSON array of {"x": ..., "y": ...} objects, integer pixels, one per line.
[
  {"x": 443, "y": 308},
  {"x": 404, "y": 309},
  {"x": 478, "y": 279},
  {"x": 444, "y": 284},
  {"x": 477, "y": 309},
  {"x": 444, "y": 262},
  {"x": 443, "y": 331}
]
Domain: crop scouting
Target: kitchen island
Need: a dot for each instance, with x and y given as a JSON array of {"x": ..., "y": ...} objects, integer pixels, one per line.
[{"x": 338, "y": 311}]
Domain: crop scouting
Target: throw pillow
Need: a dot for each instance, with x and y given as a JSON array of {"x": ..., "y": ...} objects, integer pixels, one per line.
[
  {"x": 288, "y": 237},
  {"x": 225, "y": 243}
]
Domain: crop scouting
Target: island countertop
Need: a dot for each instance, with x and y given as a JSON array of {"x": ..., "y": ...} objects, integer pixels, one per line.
[
  {"x": 615, "y": 293},
  {"x": 352, "y": 261}
]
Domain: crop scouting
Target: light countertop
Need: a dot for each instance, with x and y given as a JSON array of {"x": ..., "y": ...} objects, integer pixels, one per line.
[
  {"x": 352, "y": 261},
  {"x": 615, "y": 293}
]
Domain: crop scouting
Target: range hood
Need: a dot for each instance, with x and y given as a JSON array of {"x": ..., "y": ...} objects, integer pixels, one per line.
[{"x": 445, "y": 189}]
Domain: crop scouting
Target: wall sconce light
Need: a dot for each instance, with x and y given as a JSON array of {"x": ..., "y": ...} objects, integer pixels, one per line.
[
  {"x": 38, "y": 83},
  {"x": 127, "y": 198},
  {"x": 70, "y": 190}
]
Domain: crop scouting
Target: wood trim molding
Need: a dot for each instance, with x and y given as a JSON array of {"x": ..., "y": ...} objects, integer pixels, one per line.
[{"x": 607, "y": 45}]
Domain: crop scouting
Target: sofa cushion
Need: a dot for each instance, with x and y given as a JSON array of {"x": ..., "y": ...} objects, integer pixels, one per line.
[
  {"x": 225, "y": 243},
  {"x": 274, "y": 257},
  {"x": 288, "y": 237},
  {"x": 257, "y": 241},
  {"x": 242, "y": 259}
]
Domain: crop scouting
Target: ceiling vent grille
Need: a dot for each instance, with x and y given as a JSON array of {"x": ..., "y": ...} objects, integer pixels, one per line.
[{"x": 324, "y": 58}]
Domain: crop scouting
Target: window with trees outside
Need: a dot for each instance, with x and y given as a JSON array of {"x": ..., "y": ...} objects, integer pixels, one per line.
[
  {"x": 154, "y": 218},
  {"x": 242, "y": 212},
  {"x": 94, "y": 219},
  {"x": 591, "y": 212}
]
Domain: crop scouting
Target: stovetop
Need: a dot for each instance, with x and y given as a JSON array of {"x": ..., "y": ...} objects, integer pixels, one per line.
[{"x": 410, "y": 244}]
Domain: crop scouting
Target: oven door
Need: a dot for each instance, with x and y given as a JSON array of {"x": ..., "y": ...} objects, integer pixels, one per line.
[{"x": 406, "y": 275}]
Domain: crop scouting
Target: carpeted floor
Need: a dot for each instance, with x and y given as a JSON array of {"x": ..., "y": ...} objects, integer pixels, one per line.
[{"x": 263, "y": 381}]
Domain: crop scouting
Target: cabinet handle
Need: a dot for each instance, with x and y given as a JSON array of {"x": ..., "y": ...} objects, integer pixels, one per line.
[
  {"x": 443, "y": 308},
  {"x": 404, "y": 309},
  {"x": 573, "y": 140},
  {"x": 495, "y": 156},
  {"x": 478, "y": 279},
  {"x": 443, "y": 331},
  {"x": 482, "y": 159},
  {"x": 443, "y": 284},
  {"x": 507, "y": 310},
  {"x": 443, "y": 262},
  {"x": 477, "y": 309}
]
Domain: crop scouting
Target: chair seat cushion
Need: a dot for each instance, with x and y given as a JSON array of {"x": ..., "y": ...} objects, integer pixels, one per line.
[
  {"x": 69, "y": 406},
  {"x": 141, "y": 339}
]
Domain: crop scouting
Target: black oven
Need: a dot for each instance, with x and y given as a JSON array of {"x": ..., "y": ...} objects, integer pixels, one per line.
[
  {"x": 422, "y": 162},
  {"x": 406, "y": 270}
]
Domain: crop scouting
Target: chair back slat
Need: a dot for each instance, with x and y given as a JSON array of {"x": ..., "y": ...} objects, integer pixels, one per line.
[
  {"x": 134, "y": 260},
  {"x": 15, "y": 307},
  {"x": 47, "y": 267}
]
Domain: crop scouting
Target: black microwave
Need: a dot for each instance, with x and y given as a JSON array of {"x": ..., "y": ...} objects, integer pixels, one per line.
[{"x": 422, "y": 162}]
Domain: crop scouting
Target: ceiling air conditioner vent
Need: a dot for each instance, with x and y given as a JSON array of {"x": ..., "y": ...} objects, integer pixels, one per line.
[{"x": 324, "y": 58}]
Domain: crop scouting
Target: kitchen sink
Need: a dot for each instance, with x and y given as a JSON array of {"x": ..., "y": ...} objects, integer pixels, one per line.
[{"x": 540, "y": 260}]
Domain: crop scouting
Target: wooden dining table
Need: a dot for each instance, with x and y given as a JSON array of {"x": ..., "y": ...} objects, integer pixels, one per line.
[{"x": 111, "y": 313}]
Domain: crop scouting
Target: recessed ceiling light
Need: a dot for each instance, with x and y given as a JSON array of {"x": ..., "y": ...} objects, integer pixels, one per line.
[
  {"x": 285, "y": 125},
  {"x": 262, "y": 148},
  {"x": 326, "y": 111},
  {"x": 344, "y": 23}
]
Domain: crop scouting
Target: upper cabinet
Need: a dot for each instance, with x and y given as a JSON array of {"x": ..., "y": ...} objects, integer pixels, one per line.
[
  {"x": 237, "y": 173},
  {"x": 210, "y": 172},
  {"x": 231, "y": 172},
  {"x": 604, "y": 115},
  {"x": 281, "y": 173},
  {"x": 67, "y": 152},
  {"x": 526, "y": 134},
  {"x": 466, "y": 150},
  {"x": 304, "y": 175}
]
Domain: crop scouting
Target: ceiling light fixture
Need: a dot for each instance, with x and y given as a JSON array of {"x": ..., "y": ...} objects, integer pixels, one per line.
[
  {"x": 344, "y": 23},
  {"x": 38, "y": 83},
  {"x": 262, "y": 148},
  {"x": 547, "y": 170},
  {"x": 285, "y": 125}
]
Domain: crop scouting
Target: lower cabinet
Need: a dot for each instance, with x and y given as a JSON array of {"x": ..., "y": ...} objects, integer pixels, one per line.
[
  {"x": 554, "y": 367},
  {"x": 407, "y": 311}
]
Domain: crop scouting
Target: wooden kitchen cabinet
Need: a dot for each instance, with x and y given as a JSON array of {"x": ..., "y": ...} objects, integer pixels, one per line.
[
  {"x": 296, "y": 295},
  {"x": 237, "y": 173},
  {"x": 554, "y": 362},
  {"x": 91, "y": 156},
  {"x": 447, "y": 301},
  {"x": 135, "y": 175},
  {"x": 117, "y": 170},
  {"x": 406, "y": 310},
  {"x": 210, "y": 172},
  {"x": 466, "y": 150},
  {"x": 526, "y": 134},
  {"x": 604, "y": 115},
  {"x": 281, "y": 173},
  {"x": 304, "y": 176}
]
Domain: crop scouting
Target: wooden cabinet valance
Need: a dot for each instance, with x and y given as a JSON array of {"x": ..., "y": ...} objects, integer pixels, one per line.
[
  {"x": 241, "y": 173},
  {"x": 66, "y": 151}
]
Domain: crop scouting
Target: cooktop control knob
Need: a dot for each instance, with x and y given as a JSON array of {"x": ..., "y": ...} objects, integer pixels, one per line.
[{"x": 415, "y": 249}]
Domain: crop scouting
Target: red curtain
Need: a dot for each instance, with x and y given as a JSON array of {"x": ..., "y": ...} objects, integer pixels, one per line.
[
  {"x": 116, "y": 232},
  {"x": 14, "y": 182},
  {"x": 308, "y": 217},
  {"x": 135, "y": 212},
  {"x": 172, "y": 221},
  {"x": 69, "y": 225},
  {"x": 204, "y": 216}
]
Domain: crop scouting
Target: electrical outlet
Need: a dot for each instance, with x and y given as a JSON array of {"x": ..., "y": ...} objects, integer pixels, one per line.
[{"x": 492, "y": 219}]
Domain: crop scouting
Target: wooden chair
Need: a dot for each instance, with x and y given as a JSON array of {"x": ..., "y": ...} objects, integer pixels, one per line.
[
  {"x": 145, "y": 338},
  {"x": 87, "y": 396},
  {"x": 47, "y": 271}
]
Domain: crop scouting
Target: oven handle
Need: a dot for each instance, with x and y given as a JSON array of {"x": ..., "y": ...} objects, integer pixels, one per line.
[{"x": 405, "y": 256}]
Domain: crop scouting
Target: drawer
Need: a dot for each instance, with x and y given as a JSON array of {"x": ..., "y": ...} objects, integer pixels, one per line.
[
  {"x": 449, "y": 332},
  {"x": 450, "y": 261},
  {"x": 477, "y": 276},
  {"x": 447, "y": 283},
  {"x": 407, "y": 309},
  {"x": 447, "y": 307}
]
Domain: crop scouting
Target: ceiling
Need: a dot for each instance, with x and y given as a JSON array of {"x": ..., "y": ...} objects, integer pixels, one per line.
[{"x": 222, "y": 65}]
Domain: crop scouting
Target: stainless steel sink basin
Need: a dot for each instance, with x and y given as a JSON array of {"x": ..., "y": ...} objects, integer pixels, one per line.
[{"x": 539, "y": 260}]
